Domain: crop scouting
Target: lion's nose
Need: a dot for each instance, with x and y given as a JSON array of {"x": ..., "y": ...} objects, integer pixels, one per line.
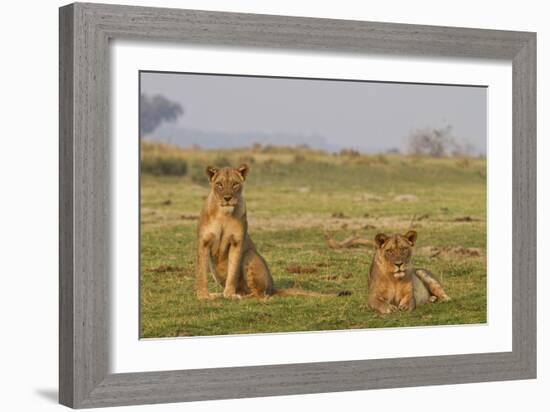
[
  {"x": 227, "y": 198},
  {"x": 399, "y": 264}
]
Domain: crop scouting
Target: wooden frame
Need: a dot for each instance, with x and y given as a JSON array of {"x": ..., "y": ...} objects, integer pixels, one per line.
[{"x": 85, "y": 31}]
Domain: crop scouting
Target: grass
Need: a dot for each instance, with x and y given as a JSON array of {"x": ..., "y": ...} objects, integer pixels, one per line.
[
  {"x": 160, "y": 160},
  {"x": 293, "y": 196}
]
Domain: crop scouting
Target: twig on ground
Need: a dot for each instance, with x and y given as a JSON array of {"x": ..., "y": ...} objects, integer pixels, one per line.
[{"x": 350, "y": 242}]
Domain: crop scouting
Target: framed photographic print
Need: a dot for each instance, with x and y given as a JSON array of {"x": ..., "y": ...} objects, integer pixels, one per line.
[{"x": 255, "y": 205}]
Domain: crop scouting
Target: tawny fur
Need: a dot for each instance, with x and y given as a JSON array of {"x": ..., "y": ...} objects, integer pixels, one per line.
[
  {"x": 393, "y": 285},
  {"x": 224, "y": 247}
]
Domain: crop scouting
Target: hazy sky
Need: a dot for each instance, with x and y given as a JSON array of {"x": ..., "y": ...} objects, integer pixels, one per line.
[{"x": 363, "y": 115}]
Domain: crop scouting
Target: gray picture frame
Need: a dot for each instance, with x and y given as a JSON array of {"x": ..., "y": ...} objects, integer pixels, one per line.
[{"x": 85, "y": 32}]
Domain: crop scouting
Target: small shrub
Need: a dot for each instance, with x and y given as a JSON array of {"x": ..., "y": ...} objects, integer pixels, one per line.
[
  {"x": 382, "y": 159},
  {"x": 463, "y": 163},
  {"x": 247, "y": 159},
  {"x": 164, "y": 166},
  {"x": 349, "y": 153},
  {"x": 221, "y": 161},
  {"x": 270, "y": 164},
  {"x": 198, "y": 174},
  {"x": 362, "y": 160}
]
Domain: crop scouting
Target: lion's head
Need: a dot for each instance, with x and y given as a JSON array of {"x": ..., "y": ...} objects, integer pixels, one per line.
[
  {"x": 226, "y": 184},
  {"x": 394, "y": 252}
]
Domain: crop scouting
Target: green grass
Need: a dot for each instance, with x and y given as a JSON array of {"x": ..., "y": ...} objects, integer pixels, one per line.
[{"x": 291, "y": 201}]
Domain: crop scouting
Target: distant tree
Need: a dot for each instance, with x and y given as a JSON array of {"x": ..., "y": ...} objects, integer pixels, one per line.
[
  {"x": 256, "y": 147},
  {"x": 349, "y": 152},
  {"x": 437, "y": 143},
  {"x": 155, "y": 110}
]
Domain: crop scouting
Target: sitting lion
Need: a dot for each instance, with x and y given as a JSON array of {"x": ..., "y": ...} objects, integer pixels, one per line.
[
  {"x": 395, "y": 286},
  {"x": 225, "y": 247}
]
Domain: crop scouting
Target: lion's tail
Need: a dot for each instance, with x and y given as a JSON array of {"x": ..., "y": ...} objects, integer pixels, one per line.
[
  {"x": 432, "y": 283},
  {"x": 302, "y": 292}
]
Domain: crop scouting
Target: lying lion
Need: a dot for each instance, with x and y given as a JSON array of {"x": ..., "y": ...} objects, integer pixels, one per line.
[
  {"x": 225, "y": 247},
  {"x": 395, "y": 286}
]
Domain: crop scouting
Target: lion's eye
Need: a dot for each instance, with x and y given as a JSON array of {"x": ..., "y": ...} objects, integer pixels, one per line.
[
  {"x": 235, "y": 185},
  {"x": 219, "y": 185}
]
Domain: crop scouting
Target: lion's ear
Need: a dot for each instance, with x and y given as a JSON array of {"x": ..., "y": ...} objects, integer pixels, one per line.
[
  {"x": 243, "y": 170},
  {"x": 411, "y": 236},
  {"x": 380, "y": 239},
  {"x": 211, "y": 172}
]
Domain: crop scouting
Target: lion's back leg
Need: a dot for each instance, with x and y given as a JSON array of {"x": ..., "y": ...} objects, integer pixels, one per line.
[
  {"x": 256, "y": 275},
  {"x": 432, "y": 284}
]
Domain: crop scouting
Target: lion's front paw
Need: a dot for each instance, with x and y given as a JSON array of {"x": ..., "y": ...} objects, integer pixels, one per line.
[
  {"x": 208, "y": 296},
  {"x": 202, "y": 295},
  {"x": 405, "y": 307},
  {"x": 231, "y": 295},
  {"x": 389, "y": 309}
]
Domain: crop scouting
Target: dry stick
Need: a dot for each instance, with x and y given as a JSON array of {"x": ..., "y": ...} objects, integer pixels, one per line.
[
  {"x": 352, "y": 241},
  {"x": 438, "y": 252},
  {"x": 412, "y": 221}
]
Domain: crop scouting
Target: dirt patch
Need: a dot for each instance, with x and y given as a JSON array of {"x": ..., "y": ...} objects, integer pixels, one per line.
[
  {"x": 358, "y": 224},
  {"x": 168, "y": 218},
  {"x": 467, "y": 219},
  {"x": 339, "y": 215},
  {"x": 180, "y": 333},
  {"x": 450, "y": 251},
  {"x": 297, "y": 269},
  {"x": 166, "y": 268},
  {"x": 333, "y": 277},
  {"x": 307, "y": 221},
  {"x": 368, "y": 197},
  {"x": 148, "y": 212},
  {"x": 166, "y": 202},
  {"x": 406, "y": 198}
]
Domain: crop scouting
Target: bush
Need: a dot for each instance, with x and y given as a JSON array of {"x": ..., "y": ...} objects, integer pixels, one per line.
[
  {"x": 247, "y": 159},
  {"x": 364, "y": 160},
  {"x": 221, "y": 161},
  {"x": 198, "y": 174},
  {"x": 382, "y": 159},
  {"x": 463, "y": 163},
  {"x": 164, "y": 166},
  {"x": 349, "y": 153}
]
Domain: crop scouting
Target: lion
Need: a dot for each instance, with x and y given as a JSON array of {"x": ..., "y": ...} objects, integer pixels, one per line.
[
  {"x": 395, "y": 286},
  {"x": 224, "y": 246}
]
